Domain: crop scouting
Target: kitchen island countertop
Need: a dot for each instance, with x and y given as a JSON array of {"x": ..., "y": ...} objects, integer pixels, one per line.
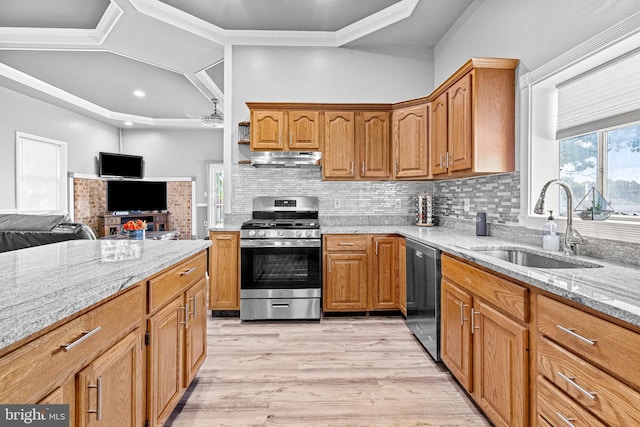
[
  {"x": 43, "y": 285},
  {"x": 613, "y": 289}
]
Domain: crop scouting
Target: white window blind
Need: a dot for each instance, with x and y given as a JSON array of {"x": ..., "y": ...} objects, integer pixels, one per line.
[{"x": 604, "y": 97}]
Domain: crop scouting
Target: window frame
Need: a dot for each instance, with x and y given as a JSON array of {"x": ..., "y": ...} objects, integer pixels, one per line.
[{"x": 538, "y": 101}]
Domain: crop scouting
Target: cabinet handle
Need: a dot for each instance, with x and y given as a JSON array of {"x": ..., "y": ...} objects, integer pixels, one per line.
[
  {"x": 440, "y": 160},
  {"x": 376, "y": 248},
  {"x": 223, "y": 238},
  {"x": 345, "y": 244},
  {"x": 85, "y": 335},
  {"x": 274, "y": 305},
  {"x": 352, "y": 164},
  {"x": 187, "y": 272},
  {"x": 193, "y": 303},
  {"x": 290, "y": 139},
  {"x": 98, "y": 410},
  {"x": 571, "y": 331},
  {"x": 185, "y": 308},
  {"x": 565, "y": 420},
  {"x": 446, "y": 158},
  {"x": 329, "y": 267},
  {"x": 362, "y": 174},
  {"x": 571, "y": 380},
  {"x": 473, "y": 320},
  {"x": 462, "y": 319},
  {"x": 395, "y": 169}
]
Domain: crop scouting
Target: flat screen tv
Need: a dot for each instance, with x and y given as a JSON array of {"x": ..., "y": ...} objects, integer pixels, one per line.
[
  {"x": 124, "y": 165},
  {"x": 136, "y": 196}
]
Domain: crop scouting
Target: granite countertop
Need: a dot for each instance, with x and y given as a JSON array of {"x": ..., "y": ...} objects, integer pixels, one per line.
[
  {"x": 45, "y": 284},
  {"x": 613, "y": 289}
]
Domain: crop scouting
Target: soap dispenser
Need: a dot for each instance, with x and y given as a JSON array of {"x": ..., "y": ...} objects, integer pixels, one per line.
[{"x": 550, "y": 236}]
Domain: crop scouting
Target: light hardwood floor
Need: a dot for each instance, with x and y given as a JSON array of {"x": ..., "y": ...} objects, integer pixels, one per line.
[{"x": 367, "y": 371}]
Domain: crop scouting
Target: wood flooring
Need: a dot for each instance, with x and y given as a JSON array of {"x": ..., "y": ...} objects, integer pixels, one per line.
[{"x": 361, "y": 371}]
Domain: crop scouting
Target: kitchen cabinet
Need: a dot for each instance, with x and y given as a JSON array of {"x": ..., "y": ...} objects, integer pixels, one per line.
[
  {"x": 473, "y": 120},
  {"x": 110, "y": 387},
  {"x": 587, "y": 367},
  {"x": 360, "y": 273},
  {"x": 402, "y": 277},
  {"x": 224, "y": 271},
  {"x": 177, "y": 342},
  {"x": 357, "y": 145},
  {"x": 285, "y": 130},
  {"x": 410, "y": 142},
  {"x": 484, "y": 339},
  {"x": 83, "y": 360}
]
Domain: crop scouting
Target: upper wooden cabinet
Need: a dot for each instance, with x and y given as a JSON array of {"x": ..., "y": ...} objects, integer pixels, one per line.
[
  {"x": 285, "y": 129},
  {"x": 473, "y": 120},
  {"x": 410, "y": 142},
  {"x": 356, "y": 145}
]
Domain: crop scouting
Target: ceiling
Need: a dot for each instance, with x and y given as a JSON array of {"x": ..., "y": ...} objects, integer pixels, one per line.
[{"x": 90, "y": 56}]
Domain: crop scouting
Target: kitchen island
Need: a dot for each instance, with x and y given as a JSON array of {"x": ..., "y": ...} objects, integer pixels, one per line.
[{"x": 115, "y": 329}]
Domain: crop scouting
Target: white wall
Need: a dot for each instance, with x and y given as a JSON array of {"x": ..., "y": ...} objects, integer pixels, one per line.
[
  {"x": 533, "y": 31},
  {"x": 321, "y": 74},
  {"x": 177, "y": 153},
  {"x": 85, "y": 137}
]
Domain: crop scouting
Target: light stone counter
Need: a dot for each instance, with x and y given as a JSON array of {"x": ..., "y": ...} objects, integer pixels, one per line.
[
  {"x": 45, "y": 284},
  {"x": 613, "y": 289}
]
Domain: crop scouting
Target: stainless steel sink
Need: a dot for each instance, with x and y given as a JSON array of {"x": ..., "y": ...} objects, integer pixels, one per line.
[{"x": 529, "y": 258}]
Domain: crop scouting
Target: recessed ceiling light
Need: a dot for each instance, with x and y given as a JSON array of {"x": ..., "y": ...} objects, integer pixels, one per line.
[
  {"x": 139, "y": 93},
  {"x": 128, "y": 123}
]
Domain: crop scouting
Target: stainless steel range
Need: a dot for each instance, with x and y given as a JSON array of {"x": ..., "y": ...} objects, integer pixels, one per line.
[{"x": 281, "y": 253}]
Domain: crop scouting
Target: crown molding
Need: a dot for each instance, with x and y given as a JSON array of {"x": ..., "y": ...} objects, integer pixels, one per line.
[
  {"x": 210, "y": 85},
  {"x": 34, "y": 38}
]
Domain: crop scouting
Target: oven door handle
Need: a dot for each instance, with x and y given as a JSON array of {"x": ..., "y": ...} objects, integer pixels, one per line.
[{"x": 280, "y": 243}]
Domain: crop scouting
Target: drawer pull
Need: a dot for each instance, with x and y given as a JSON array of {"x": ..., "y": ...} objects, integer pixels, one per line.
[
  {"x": 473, "y": 321},
  {"x": 565, "y": 420},
  {"x": 185, "y": 308},
  {"x": 85, "y": 335},
  {"x": 462, "y": 319},
  {"x": 193, "y": 299},
  {"x": 571, "y": 380},
  {"x": 98, "y": 410},
  {"x": 571, "y": 332},
  {"x": 345, "y": 244},
  {"x": 187, "y": 272}
]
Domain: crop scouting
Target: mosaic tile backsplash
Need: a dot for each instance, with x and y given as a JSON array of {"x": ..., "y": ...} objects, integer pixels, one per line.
[{"x": 381, "y": 202}]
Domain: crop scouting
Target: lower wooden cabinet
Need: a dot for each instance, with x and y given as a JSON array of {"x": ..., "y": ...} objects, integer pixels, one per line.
[
  {"x": 361, "y": 272},
  {"x": 483, "y": 344},
  {"x": 109, "y": 389},
  {"x": 224, "y": 271}
]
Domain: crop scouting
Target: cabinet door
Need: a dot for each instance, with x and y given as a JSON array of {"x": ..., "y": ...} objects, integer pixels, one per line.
[
  {"x": 402, "y": 277},
  {"x": 224, "y": 274},
  {"x": 384, "y": 273},
  {"x": 164, "y": 364},
  {"x": 460, "y": 125},
  {"x": 339, "y": 154},
  {"x": 345, "y": 281},
  {"x": 456, "y": 332},
  {"x": 410, "y": 142},
  {"x": 374, "y": 145},
  {"x": 64, "y": 395},
  {"x": 304, "y": 130},
  {"x": 110, "y": 388},
  {"x": 500, "y": 368},
  {"x": 439, "y": 135},
  {"x": 267, "y": 130},
  {"x": 195, "y": 330}
]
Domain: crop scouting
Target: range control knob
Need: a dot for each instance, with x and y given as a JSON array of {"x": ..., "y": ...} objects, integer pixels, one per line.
[
  {"x": 308, "y": 233},
  {"x": 261, "y": 233},
  {"x": 280, "y": 233},
  {"x": 252, "y": 233},
  {"x": 298, "y": 233}
]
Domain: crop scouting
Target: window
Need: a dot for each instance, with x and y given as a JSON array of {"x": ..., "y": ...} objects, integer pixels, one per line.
[
  {"x": 609, "y": 160},
  {"x": 216, "y": 201},
  {"x": 41, "y": 170}
]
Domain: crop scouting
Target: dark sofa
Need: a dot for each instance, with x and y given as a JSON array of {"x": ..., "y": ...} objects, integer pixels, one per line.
[{"x": 19, "y": 231}]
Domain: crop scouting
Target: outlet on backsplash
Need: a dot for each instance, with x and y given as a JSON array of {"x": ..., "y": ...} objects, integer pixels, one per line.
[
  {"x": 337, "y": 203},
  {"x": 465, "y": 205},
  {"x": 398, "y": 204}
]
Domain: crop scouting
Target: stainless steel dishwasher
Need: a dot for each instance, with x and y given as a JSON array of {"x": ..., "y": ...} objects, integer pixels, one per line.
[{"x": 423, "y": 295}]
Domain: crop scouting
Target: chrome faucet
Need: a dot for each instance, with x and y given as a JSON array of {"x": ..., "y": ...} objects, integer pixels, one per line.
[{"x": 571, "y": 237}]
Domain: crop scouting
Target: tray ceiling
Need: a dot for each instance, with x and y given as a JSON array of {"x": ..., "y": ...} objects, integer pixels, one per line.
[{"x": 89, "y": 56}]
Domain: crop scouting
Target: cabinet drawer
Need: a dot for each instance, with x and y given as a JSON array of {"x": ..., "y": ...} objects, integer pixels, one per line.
[
  {"x": 606, "y": 397},
  {"x": 346, "y": 242},
  {"x": 608, "y": 345},
  {"x": 167, "y": 285},
  {"x": 112, "y": 221},
  {"x": 557, "y": 409},
  {"x": 42, "y": 364},
  {"x": 504, "y": 295}
]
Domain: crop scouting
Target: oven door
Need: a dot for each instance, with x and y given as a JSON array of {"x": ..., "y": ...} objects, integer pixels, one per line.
[{"x": 274, "y": 268}]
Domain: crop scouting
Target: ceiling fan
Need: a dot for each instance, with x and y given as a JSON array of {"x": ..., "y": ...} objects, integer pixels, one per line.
[{"x": 214, "y": 120}]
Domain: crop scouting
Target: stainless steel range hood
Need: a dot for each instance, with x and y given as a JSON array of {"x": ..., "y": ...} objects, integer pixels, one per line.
[{"x": 286, "y": 159}]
